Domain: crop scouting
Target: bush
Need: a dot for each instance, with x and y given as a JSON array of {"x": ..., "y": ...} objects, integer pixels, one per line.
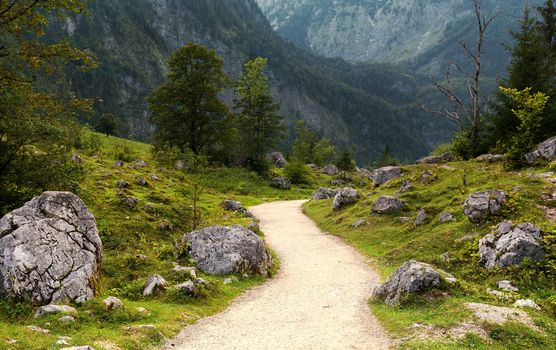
[
  {"x": 124, "y": 152},
  {"x": 297, "y": 172},
  {"x": 89, "y": 141}
]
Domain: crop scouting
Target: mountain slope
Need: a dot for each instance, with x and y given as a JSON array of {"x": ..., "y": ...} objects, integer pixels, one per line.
[
  {"x": 424, "y": 34},
  {"x": 134, "y": 38}
]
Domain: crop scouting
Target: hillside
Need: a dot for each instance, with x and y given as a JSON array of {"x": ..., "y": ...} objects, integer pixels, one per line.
[
  {"x": 133, "y": 39},
  {"x": 423, "y": 35}
]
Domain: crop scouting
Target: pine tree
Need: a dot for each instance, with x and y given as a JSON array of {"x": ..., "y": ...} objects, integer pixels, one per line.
[
  {"x": 259, "y": 121},
  {"x": 186, "y": 109}
]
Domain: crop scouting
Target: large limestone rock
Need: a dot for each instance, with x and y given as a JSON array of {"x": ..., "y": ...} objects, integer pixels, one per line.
[
  {"x": 545, "y": 151},
  {"x": 446, "y": 157},
  {"x": 277, "y": 159},
  {"x": 346, "y": 196},
  {"x": 509, "y": 244},
  {"x": 282, "y": 183},
  {"x": 221, "y": 250},
  {"x": 482, "y": 205},
  {"x": 387, "y": 204},
  {"x": 330, "y": 170},
  {"x": 383, "y": 175},
  {"x": 50, "y": 250},
  {"x": 324, "y": 193},
  {"x": 412, "y": 277}
]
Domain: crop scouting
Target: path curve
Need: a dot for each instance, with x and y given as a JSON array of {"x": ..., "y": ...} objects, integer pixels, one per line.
[{"x": 318, "y": 300}]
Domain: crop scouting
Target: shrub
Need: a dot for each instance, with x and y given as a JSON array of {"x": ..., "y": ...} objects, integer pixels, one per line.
[{"x": 297, "y": 171}]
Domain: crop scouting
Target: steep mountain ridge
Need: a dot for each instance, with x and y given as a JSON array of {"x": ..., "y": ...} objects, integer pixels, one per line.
[
  {"x": 134, "y": 38},
  {"x": 423, "y": 34}
]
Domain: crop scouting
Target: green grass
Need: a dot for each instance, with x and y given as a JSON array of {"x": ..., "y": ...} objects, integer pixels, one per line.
[
  {"x": 389, "y": 243},
  {"x": 127, "y": 233}
]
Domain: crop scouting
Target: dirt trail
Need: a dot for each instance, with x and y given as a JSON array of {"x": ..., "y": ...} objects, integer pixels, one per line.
[{"x": 317, "y": 301}]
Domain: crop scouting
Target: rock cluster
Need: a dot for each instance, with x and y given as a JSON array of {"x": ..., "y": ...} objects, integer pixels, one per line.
[
  {"x": 482, "y": 205},
  {"x": 491, "y": 158},
  {"x": 231, "y": 205},
  {"x": 277, "y": 159},
  {"x": 50, "y": 250},
  {"x": 387, "y": 204},
  {"x": 221, "y": 250},
  {"x": 324, "y": 193},
  {"x": 509, "y": 244},
  {"x": 346, "y": 196},
  {"x": 411, "y": 278},
  {"x": 545, "y": 151},
  {"x": 383, "y": 175},
  {"x": 282, "y": 183},
  {"x": 446, "y": 157}
]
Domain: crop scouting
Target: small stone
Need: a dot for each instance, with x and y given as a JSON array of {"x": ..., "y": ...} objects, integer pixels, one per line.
[
  {"x": 141, "y": 181},
  {"x": 277, "y": 159},
  {"x": 282, "y": 183},
  {"x": 166, "y": 226},
  {"x": 187, "y": 287},
  {"x": 38, "y": 329},
  {"x": 113, "y": 303},
  {"x": 405, "y": 219},
  {"x": 506, "y": 285},
  {"x": 526, "y": 303},
  {"x": 131, "y": 202},
  {"x": 387, "y": 204},
  {"x": 496, "y": 293},
  {"x": 62, "y": 342},
  {"x": 154, "y": 283},
  {"x": 140, "y": 163},
  {"x": 200, "y": 281},
  {"x": 142, "y": 310},
  {"x": 446, "y": 257},
  {"x": 406, "y": 186},
  {"x": 118, "y": 164},
  {"x": 421, "y": 217},
  {"x": 11, "y": 341},
  {"x": 76, "y": 158},
  {"x": 180, "y": 165},
  {"x": 425, "y": 177},
  {"x": 54, "y": 309},
  {"x": 66, "y": 319},
  {"x": 446, "y": 217},
  {"x": 84, "y": 347},
  {"x": 358, "y": 223},
  {"x": 154, "y": 177},
  {"x": 228, "y": 281}
]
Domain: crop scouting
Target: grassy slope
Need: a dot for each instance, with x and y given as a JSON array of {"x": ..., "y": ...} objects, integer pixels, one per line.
[
  {"x": 390, "y": 243},
  {"x": 126, "y": 233}
]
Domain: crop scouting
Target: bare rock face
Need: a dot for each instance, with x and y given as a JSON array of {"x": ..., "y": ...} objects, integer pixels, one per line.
[
  {"x": 330, "y": 170},
  {"x": 491, "y": 158},
  {"x": 277, "y": 159},
  {"x": 412, "y": 277},
  {"x": 545, "y": 151},
  {"x": 50, "y": 250},
  {"x": 387, "y": 204},
  {"x": 446, "y": 157},
  {"x": 509, "y": 244},
  {"x": 346, "y": 196},
  {"x": 220, "y": 250},
  {"x": 324, "y": 193},
  {"x": 383, "y": 175},
  {"x": 482, "y": 205}
]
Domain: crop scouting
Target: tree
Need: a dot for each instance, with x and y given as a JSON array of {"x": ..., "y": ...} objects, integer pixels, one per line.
[
  {"x": 529, "y": 109},
  {"x": 37, "y": 121},
  {"x": 107, "y": 124},
  {"x": 345, "y": 160},
  {"x": 310, "y": 147},
  {"x": 259, "y": 121},
  {"x": 185, "y": 108},
  {"x": 387, "y": 158},
  {"x": 466, "y": 112}
]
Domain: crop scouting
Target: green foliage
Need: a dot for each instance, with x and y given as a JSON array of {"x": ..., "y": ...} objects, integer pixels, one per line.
[
  {"x": 387, "y": 159},
  {"x": 107, "y": 124},
  {"x": 297, "y": 171},
  {"x": 186, "y": 109},
  {"x": 124, "y": 152},
  {"x": 345, "y": 160},
  {"x": 260, "y": 125},
  {"x": 309, "y": 147},
  {"x": 529, "y": 109}
]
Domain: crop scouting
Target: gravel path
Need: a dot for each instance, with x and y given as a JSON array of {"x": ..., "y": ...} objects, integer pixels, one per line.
[{"x": 318, "y": 300}]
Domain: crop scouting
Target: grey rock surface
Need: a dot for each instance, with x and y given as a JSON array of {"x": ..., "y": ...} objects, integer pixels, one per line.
[
  {"x": 346, "y": 196},
  {"x": 154, "y": 283},
  {"x": 50, "y": 250},
  {"x": 510, "y": 244},
  {"x": 411, "y": 278},
  {"x": 188, "y": 287},
  {"x": 444, "y": 158},
  {"x": 231, "y": 205},
  {"x": 330, "y": 170},
  {"x": 113, "y": 303},
  {"x": 220, "y": 250},
  {"x": 482, "y": 205},
  {"x": 406, "y": 186},
  {"x": 387, "y": 204},
  {"x": 421, "y": 217},
  {"x": 446, "y": 217},
  {"x": 545, "y": 151},
  {"x": 282, "y": 183},
  {"x": 491, "y": 158},
  {"x": 383, "y": 175},
  {"x": 277, "y": 159},
  {"x": 324, "y": 193},
  {"x": 359, "y": 223},
  {"x": 54, "y": 309}
]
